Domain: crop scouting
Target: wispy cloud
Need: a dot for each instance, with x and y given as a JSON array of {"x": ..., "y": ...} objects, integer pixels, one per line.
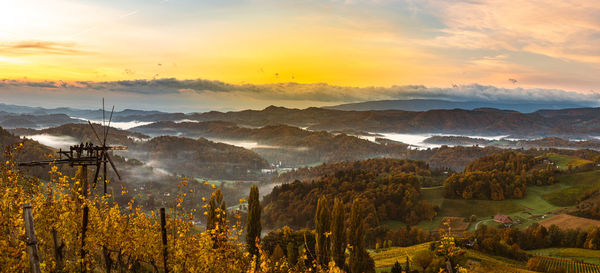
[
  {"x": 39, "y": 47},
  {"x": 566, "y": 30}
]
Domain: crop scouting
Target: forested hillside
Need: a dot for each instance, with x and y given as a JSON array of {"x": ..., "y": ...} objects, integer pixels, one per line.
[
  {"x": 389, "y": 188},
  {"x": 199, "y": 158},
  {"x": 372, "y": 165},
  {"x": 288, "y": 144},
  {"x": 499, "y": 176}
]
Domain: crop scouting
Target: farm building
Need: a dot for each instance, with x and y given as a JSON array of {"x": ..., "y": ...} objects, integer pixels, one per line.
[{"x": 503, "y": 219}]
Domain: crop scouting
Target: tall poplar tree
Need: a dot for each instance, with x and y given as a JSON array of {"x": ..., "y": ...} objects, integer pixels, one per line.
[
  {"x": 322, "y": 226},
  {"x": 253, "y": 226},
  {"x": 360, "y": 261},
  {"x": 338, "y": 237}
]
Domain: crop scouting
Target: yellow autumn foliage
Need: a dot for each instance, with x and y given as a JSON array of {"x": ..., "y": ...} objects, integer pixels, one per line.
[{"x": 122, "y": 238}]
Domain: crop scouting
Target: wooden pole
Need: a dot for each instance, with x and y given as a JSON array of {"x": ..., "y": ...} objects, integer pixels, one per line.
[
  {"x": 163, "y": 223},
  {"x": 83, "y": 231},
  {"x": 84, "y": 223},
  {"x": 58, "y": 246},
  {"x": 84, "y": 182},
  {"x": 107, "y": 259},
  {"x": 104, "y": 176},
  {"x": 31, "y": 239}
]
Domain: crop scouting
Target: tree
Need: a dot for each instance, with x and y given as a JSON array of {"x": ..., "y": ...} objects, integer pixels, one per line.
[
  {"x": 322, "y": 227},
  {"x": 338, "y": 238},
  {"x": 423, "y": 258},
  {"x": 277, "y": 253},
  {"x": 216, "y": 218},
  {"x": 292, "y": 254},
  {"x": 592, "y": 240},
  {"x": 217, "y": 211},
  {"x": 253, "y": 226},
  {"x": 360, "y": 261},
  {"x": 397, "y": 268},
  {"x": 554, "y": 235}
]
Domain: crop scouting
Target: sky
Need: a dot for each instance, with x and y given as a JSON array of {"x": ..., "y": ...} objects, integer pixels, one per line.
[{"x": 294, "y": 53}]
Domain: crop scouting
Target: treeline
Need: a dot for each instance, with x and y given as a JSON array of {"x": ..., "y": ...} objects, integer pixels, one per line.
[
  {"x": 373, "y": 165},
  {"x": 455, "y": 158},
  {"x": 498, "y": 177},
  {"x": 510, "y": 242},
  {"x": 388, "y": 193},
  {"x": 334, "y": 235}
]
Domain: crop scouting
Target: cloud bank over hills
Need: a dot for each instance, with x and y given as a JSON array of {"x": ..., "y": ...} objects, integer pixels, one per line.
[{"x": 170, "y": 94}]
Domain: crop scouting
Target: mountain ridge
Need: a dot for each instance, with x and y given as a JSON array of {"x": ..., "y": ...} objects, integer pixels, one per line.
[{"x": 438, "y": 104}]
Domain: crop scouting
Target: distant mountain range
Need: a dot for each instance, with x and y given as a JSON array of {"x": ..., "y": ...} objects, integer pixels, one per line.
[
  {"x": 432, "y": 104},
  {"x": 72, "y": 112},
  {"x": 565, "y": 123}
]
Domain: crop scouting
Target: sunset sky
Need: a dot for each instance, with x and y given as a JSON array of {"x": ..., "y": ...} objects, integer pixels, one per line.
[{"x": 506, "y": 44}]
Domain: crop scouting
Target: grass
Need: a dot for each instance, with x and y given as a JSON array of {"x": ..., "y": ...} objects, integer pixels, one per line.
[
  {"x": 525, "y": 209},
  {"x": 394, "y": 224},
  {"x": 480, "y": 262},
  {"x": 535, "y": 207},
  {"x": 477, "y": 261},
  {"x": 465, "y": 208},
  {"x": 575, "y": 185},
  {"x": 563, "y": 161},
  {"x": 579, "y": 254},
  {"x": 387, "y": 257}
]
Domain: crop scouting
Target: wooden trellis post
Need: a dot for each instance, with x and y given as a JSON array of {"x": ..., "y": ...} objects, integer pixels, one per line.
[
  {"x": 163, "y": 223},
  {"x": 83, "y": 231},
  {"x": 31, "y": 239}
]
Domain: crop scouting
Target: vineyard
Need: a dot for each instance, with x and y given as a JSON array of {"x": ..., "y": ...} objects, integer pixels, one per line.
[
  {"x": 114, "y": 239},
  {"x": 550, "y": 264},
  {"x": 387, "y": 257}
]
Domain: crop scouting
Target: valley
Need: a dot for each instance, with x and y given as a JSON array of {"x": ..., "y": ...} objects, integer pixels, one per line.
[{"x": 406, "y": 201}]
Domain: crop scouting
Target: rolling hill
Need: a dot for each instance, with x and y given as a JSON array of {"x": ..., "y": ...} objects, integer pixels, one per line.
[{"x": 432, "y": 104}]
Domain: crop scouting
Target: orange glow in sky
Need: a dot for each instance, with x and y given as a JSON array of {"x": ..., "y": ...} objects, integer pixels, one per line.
[{"x": 546, "y": 44}]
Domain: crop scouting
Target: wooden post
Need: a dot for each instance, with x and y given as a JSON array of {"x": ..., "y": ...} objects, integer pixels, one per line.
[
  {"x": 84, "y": 222},
  {"x": 104, "y": 175},
  {"x": 58, "y": 246},
  {"x": 163, "y": 223},
  {"x": 83, "y": 231},
  {"x": 84, "y": 182},
  {"x": 107, "y": 259},
  {"x": 31, "y": 239},
  {"x": 449, "y": 267}
]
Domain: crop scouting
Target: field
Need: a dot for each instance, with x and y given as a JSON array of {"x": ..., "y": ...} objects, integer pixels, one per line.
[
  {"x": 566, "y": 221},
  {"x": 532, "y": 208},
  {"x": 457, "y": 224},
  {"x": 575, "y": 185},
  {"x": 538, "y": 204},
  {"x": 476, "y": 261},
  {"x": 578, "y": 254},
  {"x": 385, "y": 259},
  {"x": 484, "y": 263},
  {"x": 563, "y": 161},
  {"x": 550, "y": 264}
]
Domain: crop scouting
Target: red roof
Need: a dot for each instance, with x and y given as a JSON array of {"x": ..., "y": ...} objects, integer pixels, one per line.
[{"x": 503, "y": 219}]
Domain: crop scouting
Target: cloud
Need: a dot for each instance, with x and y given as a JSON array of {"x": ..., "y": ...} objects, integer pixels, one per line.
[
  {"x": 566, "y": 30},
  {"x": 39, "y": 47},
  {"x": 319, "y": 93}
]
